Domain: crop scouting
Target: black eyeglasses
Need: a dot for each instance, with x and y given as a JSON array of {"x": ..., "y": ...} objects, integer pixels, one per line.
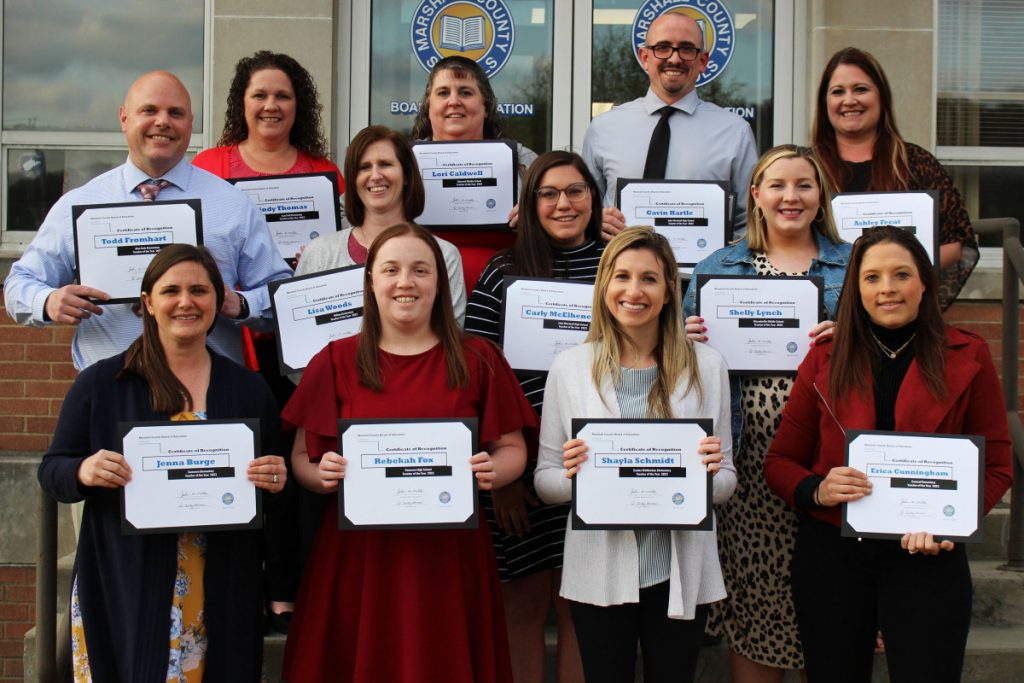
[
  {"x": 574, "y": 193},
  {"x": 687, "y": 53}
]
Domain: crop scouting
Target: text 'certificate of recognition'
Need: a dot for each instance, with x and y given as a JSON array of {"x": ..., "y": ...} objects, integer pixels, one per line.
[
  {"x": 189, "y": 476},
  {"x": 542, "y": 318},
  {"x": 407, "y": 474},
  {"x": 114, "y": 243},
  {"x": 919, "y": 482},
  {"x": 310, "y": 311},
  {"x": 468, "y": 184},
  {"x": 916, "y": 211},
  {"x": 761, "y": 325},
  {"x": 691, "y": 215},
  {"x": 642, "y": 474},
  {"x": 298, "y": 208}
]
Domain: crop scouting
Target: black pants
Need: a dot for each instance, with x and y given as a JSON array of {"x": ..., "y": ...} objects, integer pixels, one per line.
[
  {"x": 845, "y": 590},
  {"x": 608, "y": 637}
]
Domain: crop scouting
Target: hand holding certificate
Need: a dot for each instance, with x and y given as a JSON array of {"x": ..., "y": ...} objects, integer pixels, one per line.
[
  {"x": 406, "y": 474},
  {"x": 641, "y": 474},
  {"x": 468, "y": 184},
  {"x": 919, "y": 483}
]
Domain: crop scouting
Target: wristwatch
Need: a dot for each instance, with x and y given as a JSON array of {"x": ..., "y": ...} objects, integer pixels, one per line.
[{"x": 243, "y": 308}]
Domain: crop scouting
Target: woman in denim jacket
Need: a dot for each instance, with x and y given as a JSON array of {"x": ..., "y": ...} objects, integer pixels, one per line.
[{"x": 791, "y": 233}]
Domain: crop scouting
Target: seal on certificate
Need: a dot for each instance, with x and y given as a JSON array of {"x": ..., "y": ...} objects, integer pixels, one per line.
[
  {"x": 678, "y": 498},
  {"x": 792, "y": 347},
  {"x": 444, "y": 497},
  {"x": 228, "y": 498},
  {"x": 713, "y": 18},
  {"x": 482, "y": 31},
  {"x": 949, "y": 510}
]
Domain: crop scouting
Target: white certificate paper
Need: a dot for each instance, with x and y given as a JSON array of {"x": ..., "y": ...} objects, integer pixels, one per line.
[
  {"x": 189, "y": 476},
  {"x": 916, "y": 211},
  {"x": 541, "y": 318},
  {"x": 407, "y": 474},
  {"x": 298, "y": 208},
  {"x": 761, "y": 325},
  {"x": 920, "y": 482},
  {"x": 114, "y": 243},
  {"x": 310, "y": 311},
  {"x": 642, "y": 474},
  {"x": 468, "y": 184},
  {"x": 692, "y": 215}
]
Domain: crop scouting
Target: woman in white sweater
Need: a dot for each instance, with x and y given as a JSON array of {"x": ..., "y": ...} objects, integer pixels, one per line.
[{"x": 646, "y": 586}]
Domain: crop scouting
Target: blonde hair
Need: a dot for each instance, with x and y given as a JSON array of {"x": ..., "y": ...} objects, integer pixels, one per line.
[
  {"x": 757, "y": 226},
  {"x": 674, "y": 352}
]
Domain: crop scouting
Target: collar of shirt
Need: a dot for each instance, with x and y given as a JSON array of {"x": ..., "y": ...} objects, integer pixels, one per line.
[
  {"x": 688, "y": 103},
  {"x": 177, "y": 176}
]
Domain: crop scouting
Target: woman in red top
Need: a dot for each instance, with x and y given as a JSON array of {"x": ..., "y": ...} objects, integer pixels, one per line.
[
  {"x": 404, "y": 605},
  {"x": 893, "y": 366}
]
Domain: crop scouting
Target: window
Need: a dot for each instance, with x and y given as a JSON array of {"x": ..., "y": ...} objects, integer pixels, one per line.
[{"x": 66, "y": 68}]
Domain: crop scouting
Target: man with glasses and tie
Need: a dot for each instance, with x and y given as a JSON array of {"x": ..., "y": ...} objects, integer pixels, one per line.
[
  {"x": 670, "y": 132},
  {"x": 156, "y": 118}
]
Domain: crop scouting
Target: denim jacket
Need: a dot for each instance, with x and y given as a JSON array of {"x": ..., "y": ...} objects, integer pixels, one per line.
[{"x": 737, "y": 259}]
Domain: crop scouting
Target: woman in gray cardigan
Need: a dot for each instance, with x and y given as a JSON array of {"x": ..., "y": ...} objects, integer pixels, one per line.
[{"x": 625, "y": 586}]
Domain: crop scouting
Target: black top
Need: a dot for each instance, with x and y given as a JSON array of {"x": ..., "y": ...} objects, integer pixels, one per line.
[{"x": 887, "y": 372}]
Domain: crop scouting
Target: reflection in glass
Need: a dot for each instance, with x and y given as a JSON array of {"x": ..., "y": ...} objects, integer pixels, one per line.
[
  {"x": 67, "y": 64},
  {"x": 36, "y": 178},
  {"x": 745, "y": 86},
  {"x": 990, "y": 192},
  {"x": 523, "y": 85}
]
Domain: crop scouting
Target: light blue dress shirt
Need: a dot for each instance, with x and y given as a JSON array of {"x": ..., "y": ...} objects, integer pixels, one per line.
[
  {"x": 234, "y": 231},
  {"x": 707, "y": 143}
]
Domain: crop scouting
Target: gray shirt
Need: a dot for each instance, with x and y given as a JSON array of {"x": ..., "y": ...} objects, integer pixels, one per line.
[{"x": 707, "y": 143}]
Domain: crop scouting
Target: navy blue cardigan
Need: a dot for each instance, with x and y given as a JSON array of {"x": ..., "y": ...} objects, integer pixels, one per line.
[{"x": 125, "y": 583}]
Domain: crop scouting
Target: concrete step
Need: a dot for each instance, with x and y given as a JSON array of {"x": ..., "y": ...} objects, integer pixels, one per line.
[
  {"x": 996, "y": 534},
  {"x": 998, "y": 595}
]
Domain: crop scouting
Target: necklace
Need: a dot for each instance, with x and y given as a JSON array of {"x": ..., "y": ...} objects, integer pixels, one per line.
[{"x": 889, "y": 352}]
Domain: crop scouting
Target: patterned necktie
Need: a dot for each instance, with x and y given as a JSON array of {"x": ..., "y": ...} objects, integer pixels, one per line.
[
  {"x": 657, "y": 151},
  {"x": 149, "y": 189}
]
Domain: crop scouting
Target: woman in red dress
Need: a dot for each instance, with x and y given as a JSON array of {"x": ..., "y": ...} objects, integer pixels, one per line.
[{"x": 404, "y": 605}]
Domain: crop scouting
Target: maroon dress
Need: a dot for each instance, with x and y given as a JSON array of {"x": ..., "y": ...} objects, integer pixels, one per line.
[{"x": 410, "y": 605}]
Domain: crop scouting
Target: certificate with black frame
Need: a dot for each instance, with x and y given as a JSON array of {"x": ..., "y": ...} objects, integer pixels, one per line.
[
  {"x": 541, "y": 318},
  {"x": 761, "y": 325},
  {"x": 642, "y": 474},
  {"x": 190, "y": 476},
  {"x": 407, "y": 474},
  {"x": 311, "y": 311},
  {"x": 920, "y": 482},
  {"x": 114, "y": 243},
  {"x": 693, "y": 215},
  {"x": 298, "y": 208},
  {"x": 916, "y": 211},
  {"x": 470, "y": 185}
]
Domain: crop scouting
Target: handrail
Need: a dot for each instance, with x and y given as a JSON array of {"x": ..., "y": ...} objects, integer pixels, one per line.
[{"x": 1013, "y": 277}]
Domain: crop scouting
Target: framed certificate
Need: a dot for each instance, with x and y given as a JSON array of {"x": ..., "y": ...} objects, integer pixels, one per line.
[
  {"x": 407, "y": 474},
  {"x": 642, "y": 474},
  {"x": 761, "y": 325},
  {"x": 190, "y": 476},
  {"x": 920, "y": 482},
  {"x": 916, "y": 212},
  {"x": 693, "y": 215},
  {"x": 114, "y": 243},
  {"x": 469, "y": 185},
  {"x": 310, "y": 311},
  {"x": 541, "y": 318},
  {"x": 298, "y": 208}
]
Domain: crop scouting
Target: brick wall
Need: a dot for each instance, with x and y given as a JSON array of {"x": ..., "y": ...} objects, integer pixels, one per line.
[{"x": 17, "y": 612}]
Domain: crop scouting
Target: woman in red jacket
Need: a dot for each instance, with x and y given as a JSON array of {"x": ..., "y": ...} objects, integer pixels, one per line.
[{"x": 893, "y": 366}]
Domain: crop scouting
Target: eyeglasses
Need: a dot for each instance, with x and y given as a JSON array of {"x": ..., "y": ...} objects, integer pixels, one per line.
[
  {"x": 576, "y": 192},
  {"x": 687, "y": 53}
]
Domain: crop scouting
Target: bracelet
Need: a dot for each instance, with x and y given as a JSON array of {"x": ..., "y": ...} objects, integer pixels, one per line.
[
  {"x": 815, "y": 496},
  {"x": 243, "y": 308}
]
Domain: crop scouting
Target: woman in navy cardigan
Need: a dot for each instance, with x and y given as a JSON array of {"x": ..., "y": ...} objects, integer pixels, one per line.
[{"x": 146, "y": 607}]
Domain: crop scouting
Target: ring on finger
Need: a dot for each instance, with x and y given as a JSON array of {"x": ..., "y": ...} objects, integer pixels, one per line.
[{"x": 275, "y": 478}]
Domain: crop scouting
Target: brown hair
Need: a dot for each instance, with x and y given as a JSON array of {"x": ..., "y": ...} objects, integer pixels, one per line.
[
  {"x": 674, "y": 354},
  {"x": 307, "y": 132},
  {"x": 145, "y": 357},
  {"x": 442, "y": 315},
  {"x": 892, "y": 172},
  {"x": 413, "y": 195},
  {"x": 461, "y": 67},
  {"x": 850, "y": 366},
  {"x": 757, "y": 226}
]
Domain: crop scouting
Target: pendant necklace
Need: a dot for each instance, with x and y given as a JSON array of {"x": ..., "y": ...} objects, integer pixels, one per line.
[{"x": 889, "y": 352}]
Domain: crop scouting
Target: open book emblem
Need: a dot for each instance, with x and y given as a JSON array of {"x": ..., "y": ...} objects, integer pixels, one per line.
[{"x": 481, "y": 31}]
